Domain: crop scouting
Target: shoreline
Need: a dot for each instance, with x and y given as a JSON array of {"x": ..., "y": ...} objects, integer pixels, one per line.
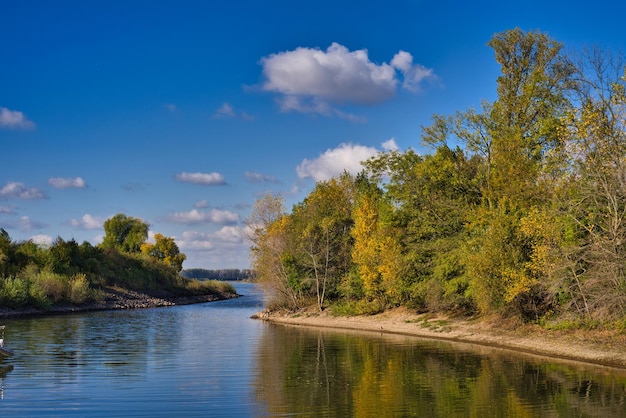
[
  {"x": 600, "y": 348},
  {"x": 114, "y": 299}
]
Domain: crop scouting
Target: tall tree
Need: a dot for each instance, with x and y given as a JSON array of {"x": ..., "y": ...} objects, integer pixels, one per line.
[
  {"x": 526, "y": 116},
  {"x": 125, "y": 233},
  {"x": 322, "y": 224},
  {"x": 595, "y": 187}
]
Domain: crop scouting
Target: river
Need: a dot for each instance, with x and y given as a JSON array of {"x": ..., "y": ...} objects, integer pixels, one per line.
[{"x": 211, "y": 359}]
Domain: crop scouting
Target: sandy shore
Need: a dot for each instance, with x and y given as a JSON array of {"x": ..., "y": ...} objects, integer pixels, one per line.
[{"x": 596, "y": 347}]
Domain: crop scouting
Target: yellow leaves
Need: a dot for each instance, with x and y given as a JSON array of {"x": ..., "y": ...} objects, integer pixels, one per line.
[
  {"x": 165, "y": 250},
  {"x": 545, "y": 235},
  {"x": 365, "y": 251},
  {"x": 516, "y": 282}
]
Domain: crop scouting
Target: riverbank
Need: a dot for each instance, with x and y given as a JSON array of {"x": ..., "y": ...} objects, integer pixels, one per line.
[
  {"x": 604, "y": 348},
  {"x": 116, "y": 299}
]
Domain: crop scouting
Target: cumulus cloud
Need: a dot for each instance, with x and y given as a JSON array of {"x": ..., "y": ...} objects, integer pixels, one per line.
[
  {"x": 253, "y": 177},
  {"x": 13, "y": 119},
  {"x": 20, "y": 191},
  {"x": 390, "y": 145},
  {"x": 414, "y": 74},
  {"x": 334, "y": 161},
  {"x": 227, "y": 236},
  {"x": 87, "y": 222},
  {"x": 7, "y": 210},
  {"x": 41, "y": 239},
  {"x": 67, "y": 183},
  {"x": 312, "y": 80},
  {"x": 224, "y": 248},
  {"x": 194, "y": 217},
  {"x": 204, "y": 179}
]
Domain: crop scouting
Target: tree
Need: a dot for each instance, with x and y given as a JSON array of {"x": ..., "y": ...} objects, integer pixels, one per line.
[
  {"x": 594, "y": 188},
  {"x": 268, "y": 228},
  {"x": 527, "y": 114},
  {"x": 125, "y": 233},
  {"x": 322, "y": 224},
  {"x": 165, "y": 250},
  {"x": 516, "y": 137}
]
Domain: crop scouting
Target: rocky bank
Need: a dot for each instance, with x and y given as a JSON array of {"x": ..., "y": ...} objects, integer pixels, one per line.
[{"x": 115, "y": 299}]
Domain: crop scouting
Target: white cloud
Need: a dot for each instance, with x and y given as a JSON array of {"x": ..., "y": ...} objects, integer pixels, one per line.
[
  {"x": 66, "y": 183},
  {"x": 24, "y": 223},
  {"x": 205, "y": 179},
  {"x": 195, "y": 241},
  {"x": 225, "y": 111},
  {"x": 336, "y": 75},
  {"x": 225, "y": 248},
  {"x": 41, "y": 239},
  {"x": 333, "y": 162},
  {"x": 20, "y": 191},
  {"x": 200, "y": 204},
  {"x": 87, "y": 222},
  {"x": 171, "y": 107},
  {"x": 12, "y": 119},
  {"x": 194, "y": 217},
  {"x": 253, "y": 177},
  {"x": 309, "y": 79},
  {"x": 6, "y": 209},
  {"x": 413, "y": 74},
  {"x": 390, "y": 145}
]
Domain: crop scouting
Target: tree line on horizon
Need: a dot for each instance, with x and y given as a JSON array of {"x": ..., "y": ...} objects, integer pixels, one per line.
[
  {"x": 218, "y": 274},
  {"x": 520, "y": 208}
]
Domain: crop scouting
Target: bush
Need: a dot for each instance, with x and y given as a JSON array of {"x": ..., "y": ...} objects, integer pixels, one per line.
[
  {"x": 79, "y": 291},
  {"x": 53, "y": 285},
  {"x": 14, "y": 292}
]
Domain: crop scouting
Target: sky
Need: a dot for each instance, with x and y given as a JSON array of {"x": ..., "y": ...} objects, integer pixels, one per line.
[{"x": 184, "y": 113}]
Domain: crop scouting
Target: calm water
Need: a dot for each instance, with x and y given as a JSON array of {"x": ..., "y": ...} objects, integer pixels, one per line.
[{"x": 212, "y": 360}]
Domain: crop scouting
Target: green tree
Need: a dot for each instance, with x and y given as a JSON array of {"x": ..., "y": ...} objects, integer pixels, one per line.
[
  {"x": 125, "y": 233},
  {"x": 517, "y": 138},
  {"x": 165, "y": 250},
  {"x": 321, "y": 232}
]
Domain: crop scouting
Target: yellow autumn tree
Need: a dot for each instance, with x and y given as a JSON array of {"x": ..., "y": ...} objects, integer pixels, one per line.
[
  {"x": 366, "y": 249},
  {"x": 165, "y": 250}
]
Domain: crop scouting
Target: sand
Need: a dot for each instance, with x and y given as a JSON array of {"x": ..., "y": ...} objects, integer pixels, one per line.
[{"x": 596, "y": 347}]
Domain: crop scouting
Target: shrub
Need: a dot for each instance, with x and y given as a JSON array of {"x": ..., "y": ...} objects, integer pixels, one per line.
[
  {"x": 14, "y": 292},
  {"x": 79, "y": 291},
  {"x": 53, "y": 285}
]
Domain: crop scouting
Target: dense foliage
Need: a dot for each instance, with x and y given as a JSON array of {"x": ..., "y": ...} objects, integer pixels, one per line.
[
  {"x": 519, "y": 210},
  {"x": 68, "y": 273}
]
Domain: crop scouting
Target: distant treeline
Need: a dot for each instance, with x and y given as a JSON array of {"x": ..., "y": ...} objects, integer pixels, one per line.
[{"x": 223, "y": 274}]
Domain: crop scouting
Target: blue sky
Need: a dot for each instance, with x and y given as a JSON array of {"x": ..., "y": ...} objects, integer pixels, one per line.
[{"x": 183, "y": 113}]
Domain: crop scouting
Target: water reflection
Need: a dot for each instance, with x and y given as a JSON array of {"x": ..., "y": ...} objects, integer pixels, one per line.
[
  {"x": 213, "y": 360},
  {"x": 309, "y": 372}
]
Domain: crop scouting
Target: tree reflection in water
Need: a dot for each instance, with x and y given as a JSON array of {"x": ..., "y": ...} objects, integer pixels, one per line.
[{"x": 314, "y": 372}]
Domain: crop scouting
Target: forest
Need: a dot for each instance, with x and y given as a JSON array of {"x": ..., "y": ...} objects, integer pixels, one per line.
[
  {"x": 518, "y": 209},
  {"x": 65, "y": 272},
  {"x": 220, "y": 274}
]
